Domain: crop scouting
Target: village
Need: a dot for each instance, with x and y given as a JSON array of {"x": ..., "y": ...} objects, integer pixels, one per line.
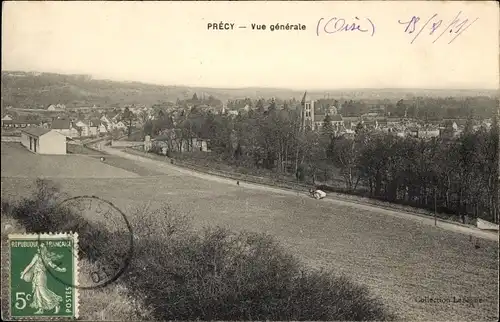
[{"x": 79, "y": 124}]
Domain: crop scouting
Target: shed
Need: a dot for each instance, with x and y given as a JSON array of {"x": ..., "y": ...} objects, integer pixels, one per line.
[{"x": 43, "y": 141}]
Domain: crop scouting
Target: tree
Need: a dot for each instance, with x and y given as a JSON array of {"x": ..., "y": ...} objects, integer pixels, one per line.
[
  {"x": 148, "y": 128},
  {"x": 344, "y": 155},
  {"x": 272, "y": 105},
  {"x": 128, "y": 116},
  {"x": 327, "y": 128},
  {"x": 260, "y": 105}
]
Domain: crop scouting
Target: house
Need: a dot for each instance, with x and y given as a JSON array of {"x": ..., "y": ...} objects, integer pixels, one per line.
[
  {"x": 101, "y": 129},
  {"x": 371, "y": 124},
  {"x": 412, "y": 131},
  {"x": 117, "y": 117},
  {"x": 105, "y": 119},
  {"x": 120, "y": 126},
  {"x": 94, "y": 125},
  {"x": 336, "y": 121},
  {"x": 350, "y": 122},
  {"x": 64, "y": 127},
  {"x": 51, "y": 107},
  {"x": 43, "y": 141},
  {"x": 20, "y": 123},
  {"x": 107, "y": 123},
  {"x": 427, "y": 133},
  {"x": 449, "y": 129},
  {"x": 7, "y": 117},
  {"x": 82, "y": 128},
  {"x": 200, "y": 144}
]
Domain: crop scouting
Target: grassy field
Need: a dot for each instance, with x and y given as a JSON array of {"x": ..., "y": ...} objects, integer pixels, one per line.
[
  {"x": 400, "y": 260},
  {"x": 71, "y": 166}
]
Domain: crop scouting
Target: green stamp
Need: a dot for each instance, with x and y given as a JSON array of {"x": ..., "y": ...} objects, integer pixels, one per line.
[{"x": 43, "y": 276}]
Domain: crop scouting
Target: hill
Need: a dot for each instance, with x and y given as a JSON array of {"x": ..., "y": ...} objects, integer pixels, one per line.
[{"x": 38, "y": 90}]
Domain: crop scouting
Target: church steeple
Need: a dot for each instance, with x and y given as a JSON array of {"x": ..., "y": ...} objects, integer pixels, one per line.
[{"x": 307, "y": 113}]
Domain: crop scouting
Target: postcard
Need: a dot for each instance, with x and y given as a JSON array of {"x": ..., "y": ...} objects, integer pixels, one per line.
[{"x": 250, "y": 160}]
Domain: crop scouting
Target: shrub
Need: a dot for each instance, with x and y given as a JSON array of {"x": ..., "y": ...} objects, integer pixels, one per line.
[{"x": 212, "y": 274}]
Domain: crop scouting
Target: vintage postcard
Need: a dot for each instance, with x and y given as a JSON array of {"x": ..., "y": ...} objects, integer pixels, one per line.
[{"x": 250, "y": 160}]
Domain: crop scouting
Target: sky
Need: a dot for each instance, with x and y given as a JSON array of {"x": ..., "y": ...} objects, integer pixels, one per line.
[{"x": 169, "y": 43}]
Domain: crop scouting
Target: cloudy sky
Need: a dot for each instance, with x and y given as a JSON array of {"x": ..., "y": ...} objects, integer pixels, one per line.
[{"x": 168, "y": 43}]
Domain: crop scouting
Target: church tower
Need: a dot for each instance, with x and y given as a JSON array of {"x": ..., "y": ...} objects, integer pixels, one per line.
[{"x": 307, "y": 113}]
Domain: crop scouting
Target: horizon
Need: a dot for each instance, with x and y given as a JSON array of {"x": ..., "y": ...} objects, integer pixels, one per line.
[
  {"x": 141, "y": 42},
  {"x": 309, "y": 90}
]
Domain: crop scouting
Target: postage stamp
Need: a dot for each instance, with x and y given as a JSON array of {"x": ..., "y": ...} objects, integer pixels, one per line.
[{"x": 43, "y": 275}]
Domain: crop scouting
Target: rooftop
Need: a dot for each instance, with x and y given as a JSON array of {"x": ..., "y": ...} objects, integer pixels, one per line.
[
  {"x": 61, "y": 124},
  {"x": 36, "y": 131}
]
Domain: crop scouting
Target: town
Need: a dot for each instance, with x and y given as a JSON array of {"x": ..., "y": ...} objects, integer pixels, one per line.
[{"x": 321, "y": 141}]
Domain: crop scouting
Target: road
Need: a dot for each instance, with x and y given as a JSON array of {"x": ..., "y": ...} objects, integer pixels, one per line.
[{"x": 169, "y": 168}]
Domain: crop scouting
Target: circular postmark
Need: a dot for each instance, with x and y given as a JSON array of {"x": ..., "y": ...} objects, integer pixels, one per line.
[{"x": 105, "y": 239}]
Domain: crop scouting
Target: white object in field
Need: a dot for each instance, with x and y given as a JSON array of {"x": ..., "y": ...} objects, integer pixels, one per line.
[
  {"x": 486, "y": 225},
  {"x": 319, "y": 194}
]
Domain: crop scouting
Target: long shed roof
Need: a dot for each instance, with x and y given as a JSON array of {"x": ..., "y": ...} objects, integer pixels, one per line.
[{"x": 36, "y": 131}]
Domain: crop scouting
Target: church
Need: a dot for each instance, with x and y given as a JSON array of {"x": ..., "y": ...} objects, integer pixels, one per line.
[{"x": 313, "y": 116}]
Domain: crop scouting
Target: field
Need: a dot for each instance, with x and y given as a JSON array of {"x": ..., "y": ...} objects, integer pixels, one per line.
[
  {"x": 64, "y": 166},
  {"x": 399, "y": 259}
]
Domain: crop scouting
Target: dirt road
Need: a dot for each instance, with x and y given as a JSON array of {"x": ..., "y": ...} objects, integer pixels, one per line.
[{"x": 169, "y": 168}]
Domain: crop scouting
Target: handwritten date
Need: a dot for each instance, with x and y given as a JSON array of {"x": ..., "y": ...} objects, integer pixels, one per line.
[{"x": 437, "y": 27}]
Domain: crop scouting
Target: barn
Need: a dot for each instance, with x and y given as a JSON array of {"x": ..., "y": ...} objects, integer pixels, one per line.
[{"x": 43, "y": 141}]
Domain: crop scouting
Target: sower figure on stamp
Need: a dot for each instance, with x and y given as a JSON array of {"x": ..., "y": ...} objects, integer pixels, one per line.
[{"x": 35, "y": 272}]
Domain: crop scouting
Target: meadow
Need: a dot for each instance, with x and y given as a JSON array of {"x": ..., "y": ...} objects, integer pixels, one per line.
[{"x": 400, "y": 260}]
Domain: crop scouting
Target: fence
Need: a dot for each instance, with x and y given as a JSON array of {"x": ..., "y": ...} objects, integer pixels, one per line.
[
  {"x": 227, "y": 174},
  {"x": 126, "y": 144},
  {"x": 338, "y": 193}
]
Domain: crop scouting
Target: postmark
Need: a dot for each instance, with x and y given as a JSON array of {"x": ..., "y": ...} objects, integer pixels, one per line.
[
  {"x": 43, "y": 273},
  {"x": 106, "y": 239}
]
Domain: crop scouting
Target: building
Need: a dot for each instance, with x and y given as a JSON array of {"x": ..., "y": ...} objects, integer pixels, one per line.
[
  {"x": 102, "y": 128},
  {"x": 120, "y": 126},
  {"x": 307, "y": 113},
  {"x": 94, "y": 126},
  {"x": 43, "y": 141},
  {"x": 82, "y": 128},
  {"x": 64, "y": 127},
  {"x": 428, "y": 133},
  {"x": 232, "y": 113},
  {"x": 19, "y": 123},
  {"x": 336, "y": 119}
]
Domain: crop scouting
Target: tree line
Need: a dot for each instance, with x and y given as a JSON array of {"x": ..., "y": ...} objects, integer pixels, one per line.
[{"x": 457, "y": 175}]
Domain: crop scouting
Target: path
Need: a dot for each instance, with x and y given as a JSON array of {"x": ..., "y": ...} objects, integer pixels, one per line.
[{"x": 169, "y": 169}]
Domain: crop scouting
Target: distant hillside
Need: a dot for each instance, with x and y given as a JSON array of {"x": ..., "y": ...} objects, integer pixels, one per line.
[{"x": 38, "y": 90}]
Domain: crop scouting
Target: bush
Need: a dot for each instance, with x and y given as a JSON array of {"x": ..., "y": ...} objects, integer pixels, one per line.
[{"x": 212, "y": 274}]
